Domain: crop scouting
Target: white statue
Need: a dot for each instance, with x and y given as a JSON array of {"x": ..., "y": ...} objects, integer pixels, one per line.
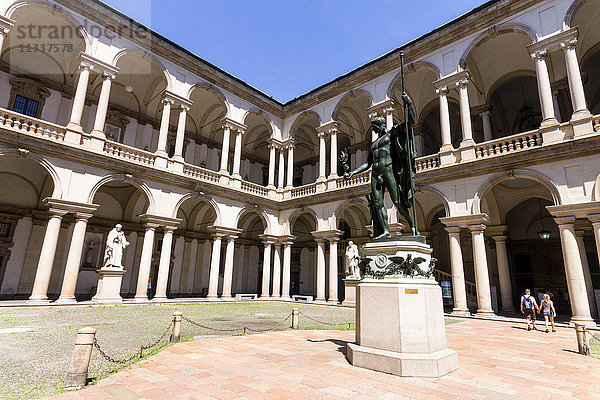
[
  {"x": 352, "y": 260},
  {"x": 115, "y": 244}
]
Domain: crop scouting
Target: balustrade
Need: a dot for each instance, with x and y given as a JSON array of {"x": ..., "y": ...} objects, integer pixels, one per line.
[
  {"x": 509, "y": 144},
  {"x": 24, "y": 124},
  {"x": 129, "y": 153}
]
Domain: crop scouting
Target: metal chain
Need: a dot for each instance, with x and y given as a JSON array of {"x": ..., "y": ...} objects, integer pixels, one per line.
[
  {"x": 325, "y": 323},
  {"x": 208, "y": 327},
  {"x": 137, "y": 354},
  {"x": 268, "y": 329}
]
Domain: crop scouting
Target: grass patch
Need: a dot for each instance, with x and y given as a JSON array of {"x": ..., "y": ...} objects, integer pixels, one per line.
[{"x": 450, "y": 321}]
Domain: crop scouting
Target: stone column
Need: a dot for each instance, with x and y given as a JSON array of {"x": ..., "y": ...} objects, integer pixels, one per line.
[
  {"x": 445, "y": 119},
  {"x": 290, "y": 166},
  {"x": 272, "y": 165},
  {"x": 215, "y": 263},
  {"x": 228, "y": 272},
  {"x": 333, "y": 164},
  {"x": 141, "y": 292},
  {"x": 333, "y": 270},
  {"x": 67, "y": 293},
  {"x": 281, "y": 174},
  {"x": 164, "y": 265},
  {"x": 79, "y": 99},
  {"x": 586, "y": 273},
  {"x": 192, "y": 266},
  {"x": 575, "y": 82},
  {"x": 164, "y": 127},
  {"x": 39, "y": 294},
  {"x": 465, "y": 113},
  {"x": 102, "y": 109},
  {"x": 287, "y": 264},
  {"x": 277, "y": 270},
  {"x": 6, "y": 25},
  {"x": 458, "y": 273},
  {"x": 320, "y": 270},
  {"x": 482, "y": 277},
  {"x": 237, "y": 154},
  {"x": 389, "y": 117},
  {"x": 225, "y": 149},
  {"x": 178, "y": 156},
  {"x": 266, "y": 277},
  {"x": 595, "y": 219},
  {"x": 322, "y": 152},
  {"x": 487, "y": 126},
  {"x": 504, "y": 274},
  {"x": 580, "y": 306},
  {"x": 544, "y": 89}
]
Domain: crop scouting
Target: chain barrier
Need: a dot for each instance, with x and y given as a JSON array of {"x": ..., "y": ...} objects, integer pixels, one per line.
[
  {"x": 325, "y": 323},
  {"x": 244, "y": 328},
  {"x": 137, "y": 354}
]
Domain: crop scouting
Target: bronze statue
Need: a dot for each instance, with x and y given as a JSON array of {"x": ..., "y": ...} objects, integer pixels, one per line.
[{"x": 392, "y": 158}]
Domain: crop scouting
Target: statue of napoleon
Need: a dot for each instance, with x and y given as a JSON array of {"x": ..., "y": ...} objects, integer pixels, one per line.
[
  {"x": 392, "y": 158},
  {"x": 115, "y": 244}
]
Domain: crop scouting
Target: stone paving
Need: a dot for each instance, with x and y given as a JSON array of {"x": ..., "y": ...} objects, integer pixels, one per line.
[{"x": 498, "y": 360}]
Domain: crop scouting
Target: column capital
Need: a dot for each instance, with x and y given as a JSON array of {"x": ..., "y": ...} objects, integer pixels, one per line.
[
  {"x": 466, "y": 221},
  {"x": 330, "y": 235},
  {"x": 453, "y": 229},
  {"x": 501, "y": 238},
  {"x": 224, "y": 231},
  {"x": 565, "y": 221},
  {"x": 275, "y": 143},
  {"x": 579, "y": 210},
  {"x": 233, "y": 125},
  {"x": 6, "y": 25},
  {"x": 268, "y": 239},
  {"x": 289, "y": 143},
  {"x": 328, "y": 128},
  {"x": 184, "y": 108},
  {"x": 168, "y": 223},
  {"x": 555, "y": 42},
  {"x": 456, "y": 79},
  {"x": 594, "y": 218},
  {"x": 442, "y": 90},
  {"x": 477, "y": 228},
  {"x": 95, "y": 64},
  {"x": 496, "y": 230},
  {"x": 286, "y": 240},
  {"x": 73, "y": 207},
  {"x": 174, "y": 98},
  {"x": 539, "y": 55},
  {"x": 485, "y": 114},
  {"x": 382, "y": 107},
  {"x": 569, "y": 44}
]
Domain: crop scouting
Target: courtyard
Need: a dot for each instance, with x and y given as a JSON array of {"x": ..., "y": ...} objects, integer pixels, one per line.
[
  {"x": 498, "y": 360},
  {"x": 36, "y": 343}
]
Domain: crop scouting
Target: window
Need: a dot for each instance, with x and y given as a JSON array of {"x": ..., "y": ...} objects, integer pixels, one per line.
[
  {"x": 26, "y": 106},
  {"x": 4, "y": 230}
]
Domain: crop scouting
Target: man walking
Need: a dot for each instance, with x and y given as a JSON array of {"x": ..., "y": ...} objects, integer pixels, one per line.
[{"x": 528, "y": 307}]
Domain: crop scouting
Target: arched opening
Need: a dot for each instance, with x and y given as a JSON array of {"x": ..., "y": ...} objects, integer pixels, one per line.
[
  {"x": 204, "y": 121},
  {"x": 587, "y": 20},
  {"x": 38, "y": 67},
  {"x": 304, "y": 255},
  {"x": 255, "y": 150},
  {"x": 430, "y": 129},
  {"x": 352, "y": 221},
  {"x": 24, "y": 184},
  {"x": 135, "y": 102},
  {"x": 354, "y": 130},
  {"x": 247, "y": 270},
  {"x": 306, "y": 150},
  {"x": 197, "y": 216},
  {"x": 122, "y": 203}
]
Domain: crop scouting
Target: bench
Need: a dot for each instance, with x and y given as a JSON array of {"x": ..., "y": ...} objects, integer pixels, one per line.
[
  {"x": 302, "y": 297},
  {"x": 245, "y": 296}
]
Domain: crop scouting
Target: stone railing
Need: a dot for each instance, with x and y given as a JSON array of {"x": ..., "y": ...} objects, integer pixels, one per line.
[
  {"x": 254, "y": 188},
  {"x": 469, "y": 286},
  {"x": 428, "y": 162},
  {"x": 33, "y": 126},
  {"x": 200, "y": 173},
  {"x": 129, "y": 153},
  {"x": 509, "y": 144},
  {"x": 356, "y": 180},
  {"x": 304, "y": 190}
]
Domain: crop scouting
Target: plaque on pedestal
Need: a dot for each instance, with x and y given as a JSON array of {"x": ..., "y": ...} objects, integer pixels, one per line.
[{"x": 109, "y": 286}]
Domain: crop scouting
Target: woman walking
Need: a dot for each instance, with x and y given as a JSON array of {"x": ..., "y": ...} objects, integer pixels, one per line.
[{"x": 548, "y": 311}]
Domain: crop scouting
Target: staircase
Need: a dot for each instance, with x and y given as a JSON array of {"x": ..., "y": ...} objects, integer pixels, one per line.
[{"x": 469, "y": 287}]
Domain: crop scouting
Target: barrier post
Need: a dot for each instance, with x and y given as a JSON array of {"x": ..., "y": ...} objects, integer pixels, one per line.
[
  {"x": 80, "y": 360},
  {"x": 583, "y": 345},
  {"x": 295, "y": 317},
  {"x": 176, "y": 332}
]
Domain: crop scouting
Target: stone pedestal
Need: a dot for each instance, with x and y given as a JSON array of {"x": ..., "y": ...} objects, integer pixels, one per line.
[
  {"x": 109, "y": 286},
  {"x": 399, "y": 313},
  {"x": 350, "y": 291}
]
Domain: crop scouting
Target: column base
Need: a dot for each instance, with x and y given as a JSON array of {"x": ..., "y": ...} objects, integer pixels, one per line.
[
  {"x": 320, "y": 300},
  {"x": 467, "y": 150},
  {"x": 582, "y": 124},
  {"x": 161, "y": 159},
  {"x": 140, "y": 299},
  {"x": 97, "y": 140},
  {"x": 447, "y": 156},
  {"x": 159, "y": 299},
  {"x": 335, "y": 302},
  {"x": 485, "y": 313},
  {"x": 224, "y": 178},
  {"x": 65, "y": 300},
  {"x": 73, "y": 134},
  {"x": 39, "y": 301},
  {"x": 461, "y": 312}
]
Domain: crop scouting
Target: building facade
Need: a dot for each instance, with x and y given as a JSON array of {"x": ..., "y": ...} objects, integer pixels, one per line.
[{"x": 222, "y": 189}]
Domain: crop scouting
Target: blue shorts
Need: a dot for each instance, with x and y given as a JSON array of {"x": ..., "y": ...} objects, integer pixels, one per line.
[{"x": 548, "y": 314}]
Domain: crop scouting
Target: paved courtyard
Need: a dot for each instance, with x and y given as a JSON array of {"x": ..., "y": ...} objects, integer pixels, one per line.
[{"x": 498, "y": 360}]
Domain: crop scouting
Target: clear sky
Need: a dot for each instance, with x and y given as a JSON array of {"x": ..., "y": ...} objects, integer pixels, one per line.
[{"x": 288, "y": 47}]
